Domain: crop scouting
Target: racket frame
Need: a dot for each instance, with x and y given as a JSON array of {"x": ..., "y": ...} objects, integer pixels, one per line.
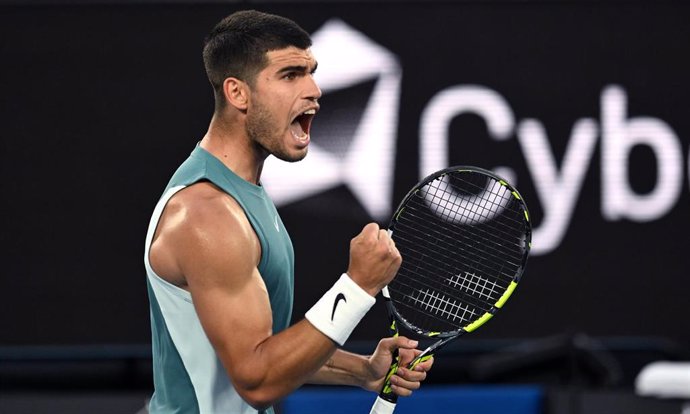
[{"x": 444, "y": 338}]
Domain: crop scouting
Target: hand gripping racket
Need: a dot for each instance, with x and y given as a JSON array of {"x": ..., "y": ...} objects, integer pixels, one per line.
[{"x": 464, "y": 235}]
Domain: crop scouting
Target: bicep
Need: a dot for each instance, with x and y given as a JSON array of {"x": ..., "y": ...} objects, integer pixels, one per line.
[{"x": 218, "y": 257}]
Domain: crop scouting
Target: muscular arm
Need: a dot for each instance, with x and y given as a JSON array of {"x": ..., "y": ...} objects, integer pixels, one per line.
[{"x": 205, "y": 244}]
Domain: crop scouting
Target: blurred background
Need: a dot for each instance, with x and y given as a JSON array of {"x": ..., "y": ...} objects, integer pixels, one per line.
[{"x": 584, "y": 106}]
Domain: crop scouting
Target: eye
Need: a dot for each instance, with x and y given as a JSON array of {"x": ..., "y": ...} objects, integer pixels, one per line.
[{"x": 290, "y": 76}]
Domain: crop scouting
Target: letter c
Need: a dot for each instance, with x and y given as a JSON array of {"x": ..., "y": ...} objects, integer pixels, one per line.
[{"x": 448, "y": 104}]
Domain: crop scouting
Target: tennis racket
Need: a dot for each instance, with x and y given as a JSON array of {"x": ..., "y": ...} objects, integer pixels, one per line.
[{"x": 464, "y": 235}]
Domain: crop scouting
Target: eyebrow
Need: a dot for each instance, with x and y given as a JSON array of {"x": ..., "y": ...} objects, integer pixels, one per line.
[{"x": 298, "y": 68}]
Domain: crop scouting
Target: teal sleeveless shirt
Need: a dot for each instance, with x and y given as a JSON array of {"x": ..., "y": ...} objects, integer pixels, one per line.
[{"x": 188, "y": 377}]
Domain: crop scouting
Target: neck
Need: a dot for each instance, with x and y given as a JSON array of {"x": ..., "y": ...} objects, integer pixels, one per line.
[{"x": 228, "y": 141}]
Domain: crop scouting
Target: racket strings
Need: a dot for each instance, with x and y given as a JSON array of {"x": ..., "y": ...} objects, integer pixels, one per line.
[
  {"x": 475, "y": 294},
  {"x": 414, "y": 224},
  {"x": 488, "y": 203},
  {"x": 446, "y": 315},
  {"x": 499, "y": 252},
  {"x": 450, "y": 263},
  {"x": 495, "y": 229},
  {"x": 467, "y": 210},
  {"x": 477, "y": 286},
  {"x": 407, "y": 292},
  {"x": 420, "y": 299},
  {"x": 463, "y": 243}
]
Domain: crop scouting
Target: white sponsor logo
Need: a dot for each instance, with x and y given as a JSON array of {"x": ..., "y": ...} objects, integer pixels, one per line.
[{"x": 557, "y": 188}]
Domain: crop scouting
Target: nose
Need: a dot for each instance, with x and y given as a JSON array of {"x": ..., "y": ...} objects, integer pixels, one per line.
[{"x": 313, "y": 91}]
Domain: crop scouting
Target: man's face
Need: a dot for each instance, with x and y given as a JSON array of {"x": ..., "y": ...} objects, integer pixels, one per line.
[{"x": 283, "y": 103}]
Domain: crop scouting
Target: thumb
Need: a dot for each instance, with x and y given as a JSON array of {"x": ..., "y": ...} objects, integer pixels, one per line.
[{"x": 370, "y": 230}]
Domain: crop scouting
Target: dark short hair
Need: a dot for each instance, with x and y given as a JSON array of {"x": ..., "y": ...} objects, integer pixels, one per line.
[{"x": 237, "y": 46}]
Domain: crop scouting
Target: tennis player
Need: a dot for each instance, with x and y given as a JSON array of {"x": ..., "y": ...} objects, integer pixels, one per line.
[{"x": 220, "y": 262}]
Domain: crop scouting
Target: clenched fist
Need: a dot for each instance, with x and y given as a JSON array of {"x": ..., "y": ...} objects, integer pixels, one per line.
[{"x": 374, "y": 259}]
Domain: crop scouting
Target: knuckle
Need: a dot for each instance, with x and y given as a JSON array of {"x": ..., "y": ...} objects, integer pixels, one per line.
[{"x": 383, "y": 248}]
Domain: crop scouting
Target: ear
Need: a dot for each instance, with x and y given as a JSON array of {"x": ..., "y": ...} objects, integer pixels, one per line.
[{"x": 236, "y": 93}]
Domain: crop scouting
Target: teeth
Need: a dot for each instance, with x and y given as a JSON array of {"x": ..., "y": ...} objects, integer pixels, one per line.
[
  {"x": 301, "y": 137},
  {"x": 310, "y": 112}
]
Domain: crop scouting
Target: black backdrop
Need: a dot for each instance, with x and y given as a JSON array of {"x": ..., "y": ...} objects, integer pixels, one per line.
[{"x": 99, "y": 104}]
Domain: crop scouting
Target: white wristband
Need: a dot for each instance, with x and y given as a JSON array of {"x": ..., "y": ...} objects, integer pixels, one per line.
[{"x": 340, "y": 309}]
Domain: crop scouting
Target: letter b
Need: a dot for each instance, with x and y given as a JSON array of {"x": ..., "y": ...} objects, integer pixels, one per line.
[{"x": 619, "y": 136}]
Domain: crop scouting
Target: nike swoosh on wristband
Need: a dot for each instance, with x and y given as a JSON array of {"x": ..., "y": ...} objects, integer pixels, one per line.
[{"x": 338, "y": 298}]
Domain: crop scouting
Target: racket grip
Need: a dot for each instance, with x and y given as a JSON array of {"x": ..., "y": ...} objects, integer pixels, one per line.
[
  {"x": 382, "y": 406},
  {"x": 387, "y": 393}
]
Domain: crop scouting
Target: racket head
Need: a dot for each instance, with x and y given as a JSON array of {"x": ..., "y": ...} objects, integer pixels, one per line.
[{"x": 464, "y": 234}]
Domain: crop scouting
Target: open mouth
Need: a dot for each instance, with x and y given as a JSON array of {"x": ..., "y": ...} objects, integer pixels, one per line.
[{"x": 302, "y": 124}]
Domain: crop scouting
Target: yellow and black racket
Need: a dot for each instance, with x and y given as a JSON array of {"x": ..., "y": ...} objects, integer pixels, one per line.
[{"x": 464, "y": 235}]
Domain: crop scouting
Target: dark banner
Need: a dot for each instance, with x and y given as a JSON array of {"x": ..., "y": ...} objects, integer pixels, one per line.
[{"x": 583, "y": 106}]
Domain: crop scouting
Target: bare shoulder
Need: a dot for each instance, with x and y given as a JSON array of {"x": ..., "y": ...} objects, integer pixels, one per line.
[
  {"x": 202, "y": 225},
  {"x": 203, "y": 202}
]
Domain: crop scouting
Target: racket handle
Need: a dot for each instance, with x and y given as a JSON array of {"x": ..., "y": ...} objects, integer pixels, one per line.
[
  {"x": 386, "y": 401},
  {"x": 387, "y": 393},
  {"x": 382, "y": 406}
]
